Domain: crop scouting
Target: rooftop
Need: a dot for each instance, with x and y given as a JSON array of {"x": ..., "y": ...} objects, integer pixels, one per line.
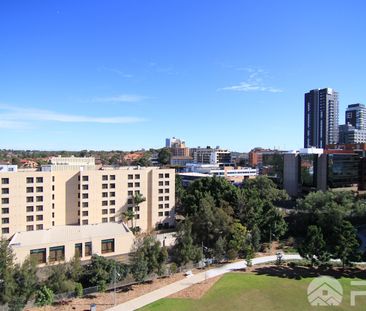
[{"x": 60, "y": 234}]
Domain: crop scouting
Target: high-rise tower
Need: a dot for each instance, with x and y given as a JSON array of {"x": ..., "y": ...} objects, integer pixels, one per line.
[{"x": 321, "y": 118}]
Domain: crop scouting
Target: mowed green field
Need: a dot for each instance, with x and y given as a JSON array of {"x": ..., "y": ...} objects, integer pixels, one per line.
[{"x": 252, "y": 292}]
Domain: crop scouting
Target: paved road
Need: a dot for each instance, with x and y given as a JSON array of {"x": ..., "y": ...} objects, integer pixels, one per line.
[{"x": 189, "y": 281}]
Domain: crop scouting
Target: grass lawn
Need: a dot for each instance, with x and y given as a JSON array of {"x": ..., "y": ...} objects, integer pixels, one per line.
[{"x": 252, "y": 292}]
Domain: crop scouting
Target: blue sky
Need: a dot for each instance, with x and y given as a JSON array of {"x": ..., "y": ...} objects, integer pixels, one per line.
[{"x": 127, "y": 74}]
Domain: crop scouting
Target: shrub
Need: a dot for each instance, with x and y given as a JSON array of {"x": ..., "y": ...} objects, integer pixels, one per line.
[
  {"x": 44, "y": 296},
  {"x": 78, "y": 290},
  {"x": 173, "y": 268}
]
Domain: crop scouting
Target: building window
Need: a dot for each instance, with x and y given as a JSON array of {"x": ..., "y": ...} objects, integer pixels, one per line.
[
  {"x": 129, "y": 201},
  {"x": 29, "y": 218},
  {"x": 105, "y": 177},
  {"x": 53, "y": 187},
  {"x": 130, "y": 185},
  {"x": 130, "y": 192},
  {"x": 161, "y": 198},
  {"x": 112, "y": 177},
  {"x": 5, "y": 210},
  {"x": 85, "y": 222},
  {"x": 161, "y": 214},
  {"x": 107, "y": 246},
  {"x": 29, "y": 209},
  {"x": 112, "y": 211},
  {"x": 104, "y": 194},
  {"x": 167, "y": 198},
  {"x": 112, "y": 186},
  {"x": 167, "y": 205},
  {"x": 5, "y": 191},
  {"x": 78, "y": 250},
  {"x": 112, "y": 194},
  {"x": 39, "y": 189},
  {"x": 166, "y": 190},
  {"x": 5, "y": 230},
  {"x": 6, "y": 200},
  {"x": 38, "y": 255},
  {"x": 161, "y": 183},
  {"x": 39, "y": 227},
  {"x": 137, "y": 176},
  {"x": 57, "y": 253},
  {"x": 88, "y": 249},
  {"x": 5, "y": 181},
  {"x": 85, "y": 178},
  {"x": 112, "y": 202},
  {"x": 30, "y": 180},
  {"x": 30, "y": 228},
  {"x": 29, "y": 189},
  {"x": 166, "y": 213},
  {"x": 160, "y": 205},
  {"x": 104, "y": 203},
  {"x": 137, "y": 216},
  {"x": 112, "y": 219},
  {"x": 53, "y": 214},
  {"x": 39, "y": 199},
  {"x": 39, "y": 179},
  {"x": 167, "y": 183},
  {"x": 161, "y": 175},
  {"x": 161, "y": 190},
  {"x": 137, "y": 184},
  {"x": 85, "y": 213},
  {"x": 39, "y": 208},
  {"x": 104, "y": 211},
  {"x": 85, "y": 204},
  {"x": 130, "y": 177},
  {"x": 104, "y": 186},
  {"x": 5, "y": 220},
  {"x": 104, "y": 219},
  {"x": 53, "y": 178},
  {"x": 85, "y": 187},
  {"x": 166, "y": 175}
]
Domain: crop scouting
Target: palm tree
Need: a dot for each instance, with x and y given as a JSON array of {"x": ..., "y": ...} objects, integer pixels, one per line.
[
  {"x": 129, "y": 215},
  {"x": 137, "y": 200}
]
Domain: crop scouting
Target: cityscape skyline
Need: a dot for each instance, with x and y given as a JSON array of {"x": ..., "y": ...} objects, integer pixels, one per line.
[{"x": 122, "y": 76}]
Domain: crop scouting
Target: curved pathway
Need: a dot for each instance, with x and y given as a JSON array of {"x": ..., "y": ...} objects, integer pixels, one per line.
[{"x": 175, "y": 287}]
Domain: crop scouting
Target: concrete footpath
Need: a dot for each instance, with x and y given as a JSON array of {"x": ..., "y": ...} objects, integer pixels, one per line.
[{"x": 175, "y": 287}]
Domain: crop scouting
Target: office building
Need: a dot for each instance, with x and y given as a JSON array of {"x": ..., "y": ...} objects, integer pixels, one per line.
[
  {"x": 210, "y": 155},
  {"x": 321, "y": 118},
  {"x": 74, "y": 192},
  {"x": 314, "y": 169},
  {"x": 356, "y": 116}
]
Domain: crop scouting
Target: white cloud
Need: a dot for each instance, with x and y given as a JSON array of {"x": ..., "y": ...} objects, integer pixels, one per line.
[
  {"x": 254, "y": 82},
  {"x": 13, "y": 117},
  {"x": 251, "y": 86},
  {"x": 124, "y": 98},
  {"x": 12, "y": 125}
]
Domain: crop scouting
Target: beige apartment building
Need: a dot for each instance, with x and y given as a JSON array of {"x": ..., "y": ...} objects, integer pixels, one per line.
[{"x": 73, "y": 191}]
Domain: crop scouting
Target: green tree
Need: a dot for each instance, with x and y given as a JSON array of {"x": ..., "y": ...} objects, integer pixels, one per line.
[
  {"x": 7, "y": 284},
  {"x": 147, "y": 257},
  {"x": 220, "y": 249},
  {"x": 239, "y": 239},
  {"x": 25, "y": 285},
  {"x": 347, "y": 248},
  {"x": 313, "y": 247},
  {"x": 164, "y": 156},
  {"x": 184, "y": 250},
  {"x": 101, "y": 271}
]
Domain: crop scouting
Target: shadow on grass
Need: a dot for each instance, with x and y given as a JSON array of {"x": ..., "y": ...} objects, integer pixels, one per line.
[{"x": 307, "y": 272}]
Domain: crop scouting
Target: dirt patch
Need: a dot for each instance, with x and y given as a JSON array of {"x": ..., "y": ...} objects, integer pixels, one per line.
[
  {"x": 196, "y": 291},
  {"x": 104, "y": 301}
]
